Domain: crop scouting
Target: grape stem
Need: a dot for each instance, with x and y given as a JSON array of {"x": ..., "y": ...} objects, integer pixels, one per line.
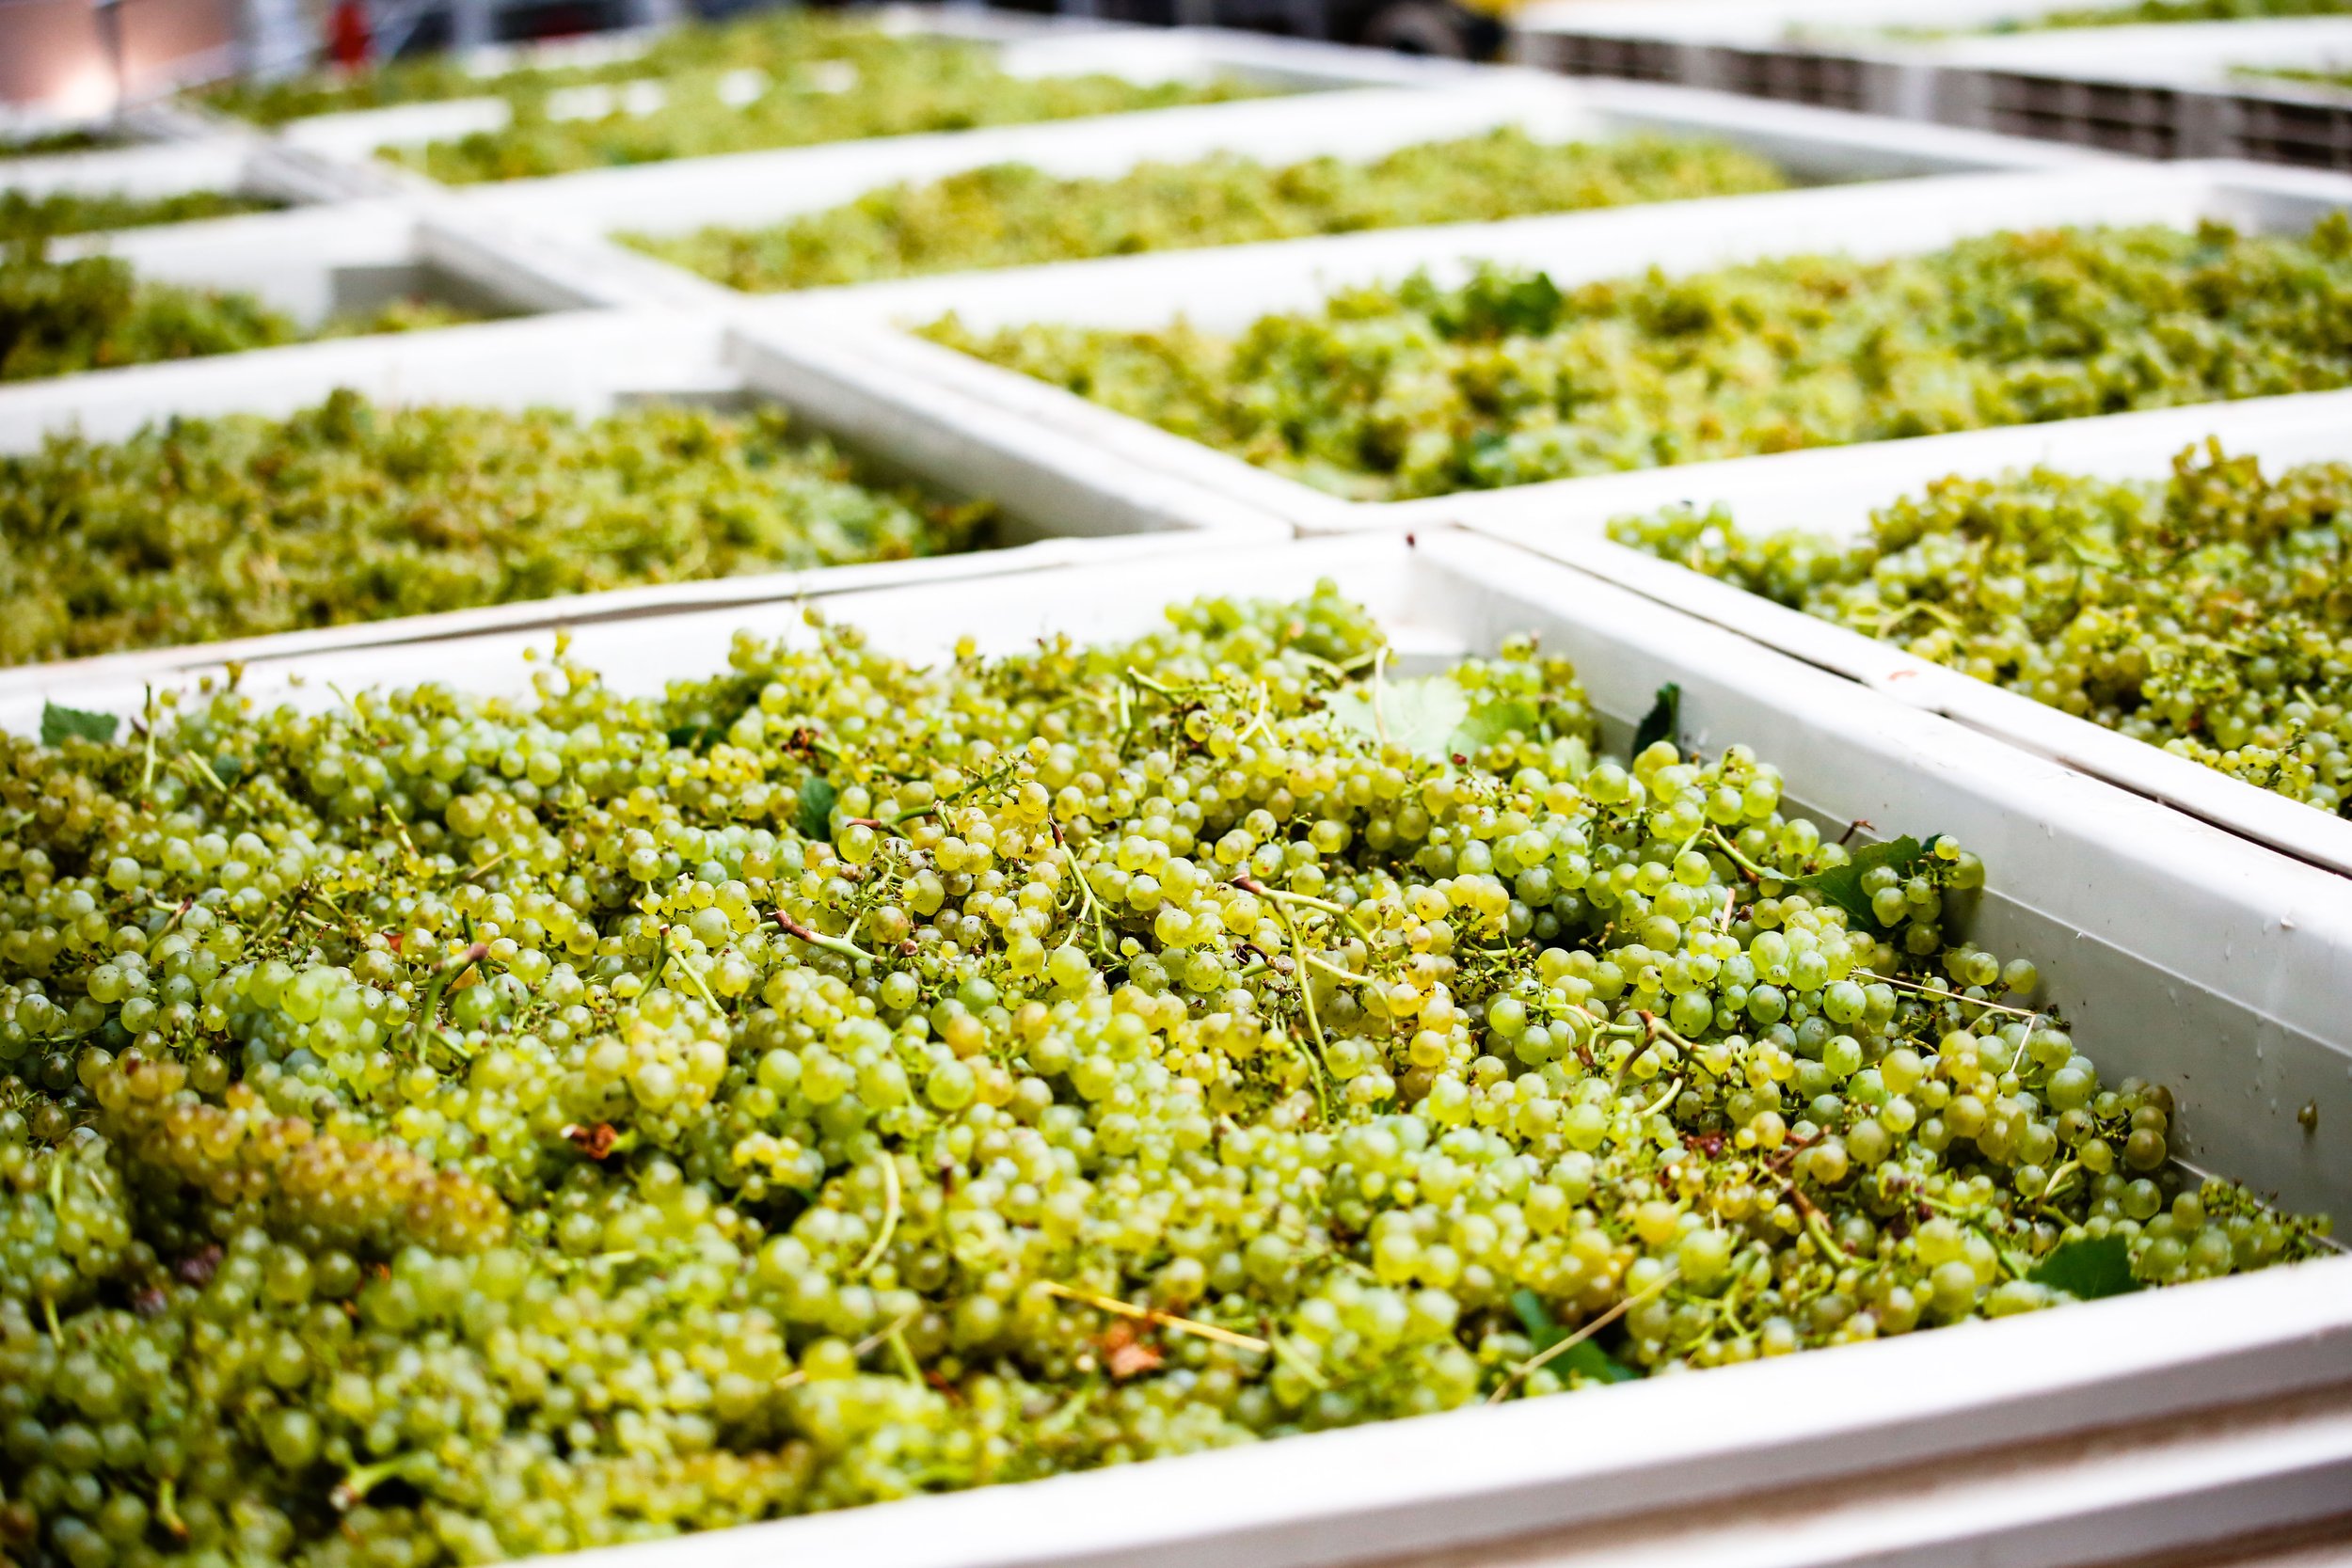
[
  {"x": 1283, "y": 895},
  {"x": 815, "y": 938},
  {"x": 890, "y": 1218},
  {"x": 1153, "y": 1314},
  {"x": 2029, "y": 1015},
  {"x": 1674, "y": 1091},
  {"x": 1535, "y": 1363},
  {"x": 1732, "y": 852},
  {"x": 1337, "y": 973},
  {"x": 146, "y": 767}
]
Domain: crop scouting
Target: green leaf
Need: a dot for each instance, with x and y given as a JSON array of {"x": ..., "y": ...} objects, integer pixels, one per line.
[
  {"x": 58, "y": 723},
  {"x": 2088, "y": 1268},
  {"x": 1432, "y": 716},
  {"x": 1418, "y": 715},
  {"x": 815, "y": 818},
  {"x": 1490, "y": 722},
  {"x": 1663, "y": 722},
  {"x": 1536, "y": 1318},
  {"x": 1583, "y": 1359},
  {"x": 1842, "y": 884}
]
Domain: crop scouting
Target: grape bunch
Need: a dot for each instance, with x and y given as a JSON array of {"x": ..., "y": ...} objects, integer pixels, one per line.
[
  {"x": 2207, "y": 614},
  {"x": 92, "y": 313},
  {"x": 25, "y": 217},
  {"x": 1012, "y": 214},
  {"x": 1390, "y": 393},
  {"x": 197, "y": 530},
  {"x": 439, "y": 1128}
]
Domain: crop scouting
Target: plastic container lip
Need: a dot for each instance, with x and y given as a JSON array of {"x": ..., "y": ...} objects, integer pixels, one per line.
[
  {"x": 1835, "y": 490},
  {"x": 2186, "y": 917},
  {"x": 1056, "y": 512}
]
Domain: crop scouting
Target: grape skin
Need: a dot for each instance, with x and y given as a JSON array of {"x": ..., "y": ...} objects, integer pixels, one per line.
[
  {"x": 198, "y": 530},
  {"x": 2204, "y": 614},
  {"x": 1012, "y": 214},
  {"x": 438, "y": 1150},
  {"x": 1394, "y": 392}
]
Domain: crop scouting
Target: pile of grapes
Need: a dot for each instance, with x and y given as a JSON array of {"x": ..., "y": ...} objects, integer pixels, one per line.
[
  {"x": 1421, "y": 390},
  {"x": 2208, "y": 614},
  {"x": 1011, "y": 215},
  {"x": 782, "y": 82},
  {"x": 445, "y": 1127},
  {"x": 198, "y": 530},
  {"x": 92, "y": 313},
  {"x": 28, "y": 217}
]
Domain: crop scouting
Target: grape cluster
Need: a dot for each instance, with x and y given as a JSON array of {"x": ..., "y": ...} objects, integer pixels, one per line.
[
  {"x": 811, "y": 79},
  {"x": 24, "y": 217},
  {"x": 1011, "y": 215},
  {"x": 1420, "y": 390},
  {"x": 2207, "y": 614},
  {"x": 442, "y": 1128},
  {"x": 198, "y": 530},
  {"x": 92, "y": 312}
]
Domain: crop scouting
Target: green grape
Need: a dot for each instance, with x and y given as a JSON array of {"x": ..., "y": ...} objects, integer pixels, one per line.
[
  {"x": 199, "y": 530},
  {"x": 813, "y": 79},
  {"x": 448, "y": 1128},
  {"x": 2204, "y": 614},
  {"x": 24, "y": 217},
  {"x": 92, "y": 312},
  {"x": 1011, "y": 215},
  {"x": 1389, "y": 394}
]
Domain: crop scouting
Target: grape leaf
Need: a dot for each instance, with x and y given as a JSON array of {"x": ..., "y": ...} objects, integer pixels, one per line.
[
  {"x": 1663, "y": 722},
  {"x": 2088, "y": 1268},
  {"x": 58, "y": 723},
  {"x": 1433, "y": 716},
  {"x": 1490, "y": 722},
  {"x": 1842, "y": 884},
  {"x": 1585, "y": 1359},
  {"x": 815, "y": 818}
]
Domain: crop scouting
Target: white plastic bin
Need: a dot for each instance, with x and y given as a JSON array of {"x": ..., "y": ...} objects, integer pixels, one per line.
[
  {"x": 591, "y": 363},
  {"x": 2176, "y": 951},
  {"x": 1835, "y": 490},
  {"x": 1224, "y": 289}
]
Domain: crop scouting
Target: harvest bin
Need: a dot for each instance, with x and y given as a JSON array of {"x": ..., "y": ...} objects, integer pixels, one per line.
[
  {"x": 1835, "y": 490},
  {"x": 350, "y": 256},
  {"x": 2176, "y": 950},
  {"x": 592, "y": 363},
  {"x": 1025, "y": 46},
  {"x": 1224, "y": 289},
  {"x": 756, "y": 189}
]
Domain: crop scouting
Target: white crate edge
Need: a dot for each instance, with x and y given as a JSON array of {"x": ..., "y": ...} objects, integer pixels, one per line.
[{"x": 1834, "y": 489}]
